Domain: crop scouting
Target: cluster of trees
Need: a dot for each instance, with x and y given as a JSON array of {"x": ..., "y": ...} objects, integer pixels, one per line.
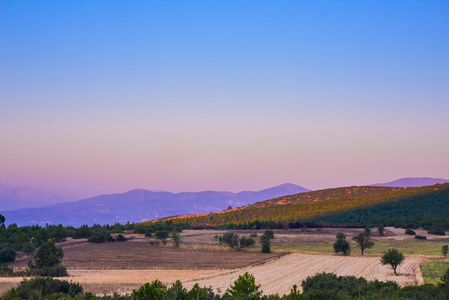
[
  {"x": 320, "y": 286},
  {"x": 29, "y": 238},
  {"x": 237, "y": 242},
  {"x": 426, "y": 207}
]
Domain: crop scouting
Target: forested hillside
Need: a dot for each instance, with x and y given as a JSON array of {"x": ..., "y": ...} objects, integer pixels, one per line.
[{"x": 358, "y": 206}]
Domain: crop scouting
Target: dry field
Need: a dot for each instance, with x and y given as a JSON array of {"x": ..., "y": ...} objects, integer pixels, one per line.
[{"x": 122, "y": 267}]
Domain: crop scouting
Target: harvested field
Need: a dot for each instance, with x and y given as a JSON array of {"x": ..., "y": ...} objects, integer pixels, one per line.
[
  {"x": 144, "y": 256},
  {"x": 280, "y": 275}
]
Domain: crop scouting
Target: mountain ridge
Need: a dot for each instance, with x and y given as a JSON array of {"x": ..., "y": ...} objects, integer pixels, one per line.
[{"x": 140, "y": 205}]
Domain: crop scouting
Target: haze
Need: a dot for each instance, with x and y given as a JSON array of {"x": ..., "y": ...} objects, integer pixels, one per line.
[{"x": 102, "y": 97}]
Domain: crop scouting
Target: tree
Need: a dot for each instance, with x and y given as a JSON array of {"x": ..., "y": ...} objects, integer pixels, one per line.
[
  {"x": 162, "y": 235},
  {"x": 381, "y": 229},
  {"x": 2, "y": 220},
  {"x": 176, "y": 237},
  {"x": 444, "y": 250},
  {"x": 444, "y": 280},
  {"x": 265, "y": 240},
  {"x": 234, "y": 241},
  {"x": 7, "y": 254},
  {"x": 393, "y": 258},
  {"x": 342, "y": 245},
  {"x": 363, "y": 240},
  {"x": 48, "y": 255},
  {"x": 245, "y": 287},
  {"x": 120, "y": 238}
]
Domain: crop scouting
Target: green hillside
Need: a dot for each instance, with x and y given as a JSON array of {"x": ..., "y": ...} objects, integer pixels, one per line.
[{"x": 350, "y": 206}]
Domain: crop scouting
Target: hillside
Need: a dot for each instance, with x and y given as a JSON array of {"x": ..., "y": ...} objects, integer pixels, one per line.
[
  {"x": 140, "y": 205},
  {"x": 351, "y": 205},
  {"x": 413, "y": 182}
]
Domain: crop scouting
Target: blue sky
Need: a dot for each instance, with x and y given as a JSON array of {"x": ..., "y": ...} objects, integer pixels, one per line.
[{"x": 231, "y": 95}]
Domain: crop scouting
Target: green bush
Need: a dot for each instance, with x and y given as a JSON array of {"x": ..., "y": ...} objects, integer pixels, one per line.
[
  {"x": 28, "y": 248},
  {"x": 7, "y": 254},
  {"x": 420, "y": 237},
  {"x": 44, "y": 288},
  {"x": 409, "y": 231},
  {"x": 120, "y": 238}
]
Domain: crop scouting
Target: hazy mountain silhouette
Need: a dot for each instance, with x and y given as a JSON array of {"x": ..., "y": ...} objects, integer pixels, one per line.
[
  {"x": 141, "y": 205},
  {"x": 412, "y": 182},
  {"x": 14, "y": 197}
]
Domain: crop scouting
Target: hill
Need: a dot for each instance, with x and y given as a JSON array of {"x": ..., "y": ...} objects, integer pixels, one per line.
[
  {"x": 140, "y": 205},
  {"x": 342, "y": 206},
  {"x": 413, "y": 182}
]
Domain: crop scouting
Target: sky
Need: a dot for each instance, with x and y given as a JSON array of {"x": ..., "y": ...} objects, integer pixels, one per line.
[{"x": 107, "y": 96}]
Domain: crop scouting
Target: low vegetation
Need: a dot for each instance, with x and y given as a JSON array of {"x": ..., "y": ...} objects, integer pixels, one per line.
[{"x": 319, "y": 286}]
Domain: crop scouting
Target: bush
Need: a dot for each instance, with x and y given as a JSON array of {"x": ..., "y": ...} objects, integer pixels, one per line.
[
  {"x": 436, "y": 231},
  {"x": 101, "y": 236},
  {"x": 7, "y": 254},
  {"x": 120, "y": 238},
  {"x": 409, "y": 231},
  {"x": 420, "y": 237},
  {"x": 5, "y": 270},
  {"x": 28, "y": 248},
  {"x": 162, "y": 235},
  {"x": 44, "y": 288},
  {"x": 234, "y": 241}
]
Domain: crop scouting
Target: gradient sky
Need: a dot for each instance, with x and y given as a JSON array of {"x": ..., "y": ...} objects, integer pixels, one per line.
[{"x": 106, "y": 96}]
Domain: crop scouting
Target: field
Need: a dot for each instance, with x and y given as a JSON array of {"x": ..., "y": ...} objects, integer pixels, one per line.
[{"x": 104, "y": 268}]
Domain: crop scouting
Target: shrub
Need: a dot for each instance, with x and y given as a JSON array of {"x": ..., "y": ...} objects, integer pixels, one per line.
[
  {"x": 5, "y": 270},
  {"x": 101, "y": 235},
  {"x": 176, "y": 237},
  {"x": 265, "y": 240},
  {"x": 162, "y": 235},
  {"x": 420, "y": 237},
  {"x": 120, "y": 238},
  {"x": 7, "y": 254},
  {"x": 28, "y": 248},
  {"x": 44, "y": 288},
  {"x": 234, "y": 241},
  {"x": 409, "y": 231},
  {"x": 436, "y": 231}
]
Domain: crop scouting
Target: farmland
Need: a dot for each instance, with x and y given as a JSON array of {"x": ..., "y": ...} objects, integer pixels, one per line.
[{"x": 297, "y": 253}]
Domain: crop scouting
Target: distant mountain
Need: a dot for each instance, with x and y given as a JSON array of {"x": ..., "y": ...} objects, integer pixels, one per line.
[
  {"x": 140, "y": 205},
  {"x": 15, "y": 197},
  {"x": 413, "y": 182}
]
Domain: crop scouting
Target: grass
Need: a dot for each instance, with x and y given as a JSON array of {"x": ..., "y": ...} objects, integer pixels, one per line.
[
  {"x": 321, "y": 248},
  {"x": 407, "y": 246},
  {"x": 433, "y": 270}
]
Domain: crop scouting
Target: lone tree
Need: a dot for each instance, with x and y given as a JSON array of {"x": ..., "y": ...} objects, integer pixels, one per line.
[
  {"x": 245, "y": 287},
  {"x": 393, "y": 258},
  {"x": 162, "y": 235},
  {"x": 363, "y": 240},
  {"x": 265, "y": 240},
  {"x": 444, "y": 250},
  {"x": 342, "y": 245},
  {"x": 176, "y": 237},
  {"x": 234, "y": 241}
]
